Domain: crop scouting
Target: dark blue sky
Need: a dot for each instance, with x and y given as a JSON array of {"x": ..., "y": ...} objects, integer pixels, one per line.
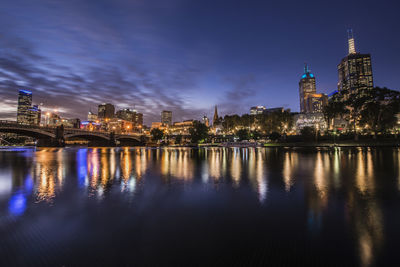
[{"x": 185, "y": 55}]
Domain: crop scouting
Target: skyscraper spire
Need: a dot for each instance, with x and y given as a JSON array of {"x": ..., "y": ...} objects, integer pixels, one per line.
[
  {"x": 350, "y": 38},
  {"x": 306, "y": 70}
]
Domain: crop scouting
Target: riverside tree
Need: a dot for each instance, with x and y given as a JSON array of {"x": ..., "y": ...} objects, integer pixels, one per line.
[{"x": 198, "y": 133}]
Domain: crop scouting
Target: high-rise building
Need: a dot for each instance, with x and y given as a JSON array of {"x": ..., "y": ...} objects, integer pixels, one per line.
[
  {"x": 306, "y": 87},
  {"x": 26, "y": 113},
  {"x": 106, "y": 111},
  {"x": 34, "y": 115},
  {"x": 355, "y": 70},
  {"x": 130, "y": 115},
  {"x": 257, "y": 110},
  {"x": 166, "y": 117},
  {"x": 24, "y": 106}
]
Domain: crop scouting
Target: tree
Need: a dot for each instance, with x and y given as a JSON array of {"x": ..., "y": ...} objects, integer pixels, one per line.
[
  {"x": 242, "y": 134},
  {"x": 274, "y": 136},
  {"x": 335, "y": 108},
  {"x": 380, "y": 109},
  {"x": 157, "y": 134},
  {"x": 199, "y": 132},
  {"x": 178, "y": 139},
  {"x": 255, "y": 135},
  {"x": 308, "y": 133},
  {"x": 374, "y": 109}
]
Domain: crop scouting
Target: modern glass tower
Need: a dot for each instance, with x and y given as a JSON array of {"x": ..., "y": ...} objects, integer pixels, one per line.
[
  {"x": 106, "y": 111},
  {"x": 166, "y": 117},
  {"x": 24, "y": 107},
  {"x": 355, "y": 70}
]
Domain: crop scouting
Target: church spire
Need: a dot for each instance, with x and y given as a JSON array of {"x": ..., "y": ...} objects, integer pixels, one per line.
[
  {"x": 215, "y": 118},
  {"x": 350, "y": 39}
]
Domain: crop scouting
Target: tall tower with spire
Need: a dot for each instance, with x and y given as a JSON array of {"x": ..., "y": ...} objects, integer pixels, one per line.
[
  {"x": 350, "y": 40},
  {"x": 306, "y": 87},
  {"x": 355, "y": 70}
]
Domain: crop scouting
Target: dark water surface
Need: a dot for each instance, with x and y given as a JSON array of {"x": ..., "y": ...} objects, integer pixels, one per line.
[{"x": 188, "y": 207}]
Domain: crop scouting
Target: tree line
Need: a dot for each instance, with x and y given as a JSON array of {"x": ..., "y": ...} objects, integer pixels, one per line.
[{"x": 371, "y": 111}]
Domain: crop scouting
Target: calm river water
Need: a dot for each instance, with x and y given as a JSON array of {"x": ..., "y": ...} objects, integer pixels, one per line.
[{"x": 188, "y": 207}]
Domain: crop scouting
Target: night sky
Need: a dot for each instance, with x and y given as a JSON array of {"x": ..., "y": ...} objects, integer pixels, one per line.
[{"x": 185, "y": 55}]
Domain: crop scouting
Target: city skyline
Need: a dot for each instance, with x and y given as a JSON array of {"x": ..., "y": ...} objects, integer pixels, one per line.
[{"x": 159, "y": 64}]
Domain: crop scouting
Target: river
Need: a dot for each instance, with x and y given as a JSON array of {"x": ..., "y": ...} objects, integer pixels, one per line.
[{"x": 208, "y": 206}]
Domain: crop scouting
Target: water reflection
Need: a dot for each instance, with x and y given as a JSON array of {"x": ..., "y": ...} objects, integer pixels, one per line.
[{"x": 346, "y": 183}]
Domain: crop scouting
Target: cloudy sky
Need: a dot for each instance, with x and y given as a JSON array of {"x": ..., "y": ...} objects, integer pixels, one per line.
[{"x": 184, "y": 55}]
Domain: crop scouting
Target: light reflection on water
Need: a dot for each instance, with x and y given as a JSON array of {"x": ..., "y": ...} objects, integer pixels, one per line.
[{"x": 320, "y": 180}]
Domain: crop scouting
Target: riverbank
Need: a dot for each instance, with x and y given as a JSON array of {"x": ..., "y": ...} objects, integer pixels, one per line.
[{"x": 364, "y": 143}]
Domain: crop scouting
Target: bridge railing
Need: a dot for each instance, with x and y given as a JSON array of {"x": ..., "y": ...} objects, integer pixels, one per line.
[
  {"x": 21, "y": 125},
  {"x": 66, "y": 129}
]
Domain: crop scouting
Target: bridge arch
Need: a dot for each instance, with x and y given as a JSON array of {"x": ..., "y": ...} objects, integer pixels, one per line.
[
  {"x": 30, "y": 132},
  {"x": 128, "y": 140},
  {"x": 88, "y": 136}
]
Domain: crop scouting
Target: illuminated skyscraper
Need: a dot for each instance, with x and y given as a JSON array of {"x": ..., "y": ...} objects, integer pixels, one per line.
[
  {"x": 166, "y": 117},
  {"x": 355, "y": 70},
  {"x": 131, "y": 115},
  {"x": 24, "y": 106},
  {"x": 34, "y": 115},
  {"x": 306, "y": 87},
  {"x": 106, "y": 111}
]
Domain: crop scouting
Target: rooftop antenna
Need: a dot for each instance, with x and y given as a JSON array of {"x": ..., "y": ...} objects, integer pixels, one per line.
[
  {"x": 350, "y": 39},
  {"x": 306, "y": 70}
]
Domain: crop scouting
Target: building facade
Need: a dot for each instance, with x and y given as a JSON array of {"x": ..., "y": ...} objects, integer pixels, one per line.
[
  {"x": 24, "y": 105},
  {"x": 26, "y": 113},
  {"x": 91, "y": 116},
  {"x": 166, "y": 117},
  {"x": 355, "y": 70},
  {"x": 131, "y": 115},
  {"x": 257, "y": 110},
  {"x": 315, "y": 103},
  {"x": 106, "y": 111}
]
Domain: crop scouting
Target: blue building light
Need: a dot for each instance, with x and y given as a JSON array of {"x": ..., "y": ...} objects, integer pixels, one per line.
[
  {"x": 25, "y": 92},
  {"x": 333, "y": 93}
]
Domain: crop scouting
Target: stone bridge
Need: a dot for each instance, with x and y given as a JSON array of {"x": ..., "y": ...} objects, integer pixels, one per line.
[{"x": 56, "y": 136}]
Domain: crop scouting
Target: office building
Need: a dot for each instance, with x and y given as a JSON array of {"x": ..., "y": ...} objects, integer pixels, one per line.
[
  {"x": 166, "y": 117},
  {"x": 131, "y": 115},
  {"x": 24, "y": 106},
  {"x": 355, "y": 70},
  {"x": 257, "y": 110},
  {"x": 273, "y": 110},
  {"x": 26, "y": 113},
  {"x": 34, "y": 115},
  {"x": 106, "y": 111}
]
